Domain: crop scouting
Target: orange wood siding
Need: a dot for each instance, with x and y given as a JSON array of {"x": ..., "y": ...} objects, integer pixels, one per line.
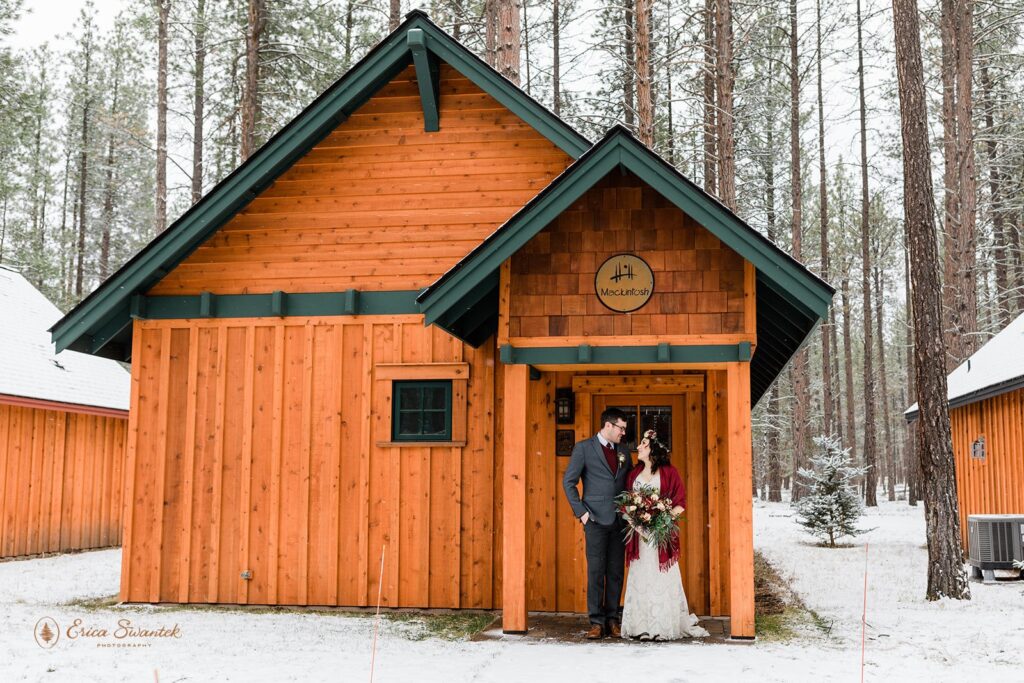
[
  {"x": 994, "y": 485},
  {"x": 60, "y": 480},
  {"x": 699, "y": 282},
  {"x": 264, "y": 445},
  {"x": 379, "y": 204}
]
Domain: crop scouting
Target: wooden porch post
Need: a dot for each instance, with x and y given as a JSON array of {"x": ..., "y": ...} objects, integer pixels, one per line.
[
  {"x": 741, "y": 527},
  {"x": 513, "y": 598}
]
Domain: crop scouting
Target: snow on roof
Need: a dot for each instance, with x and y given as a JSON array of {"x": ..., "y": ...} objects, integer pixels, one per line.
[
  {"x": 28, "y": 365},
  {"x": 999, "y": 362}
]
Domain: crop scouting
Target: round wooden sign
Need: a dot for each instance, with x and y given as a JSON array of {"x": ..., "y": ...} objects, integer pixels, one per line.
[{"x": 624, "y": 283}]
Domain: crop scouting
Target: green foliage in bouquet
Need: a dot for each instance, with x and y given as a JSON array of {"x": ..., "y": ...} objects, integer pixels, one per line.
[{"x": 648, "y": 514}]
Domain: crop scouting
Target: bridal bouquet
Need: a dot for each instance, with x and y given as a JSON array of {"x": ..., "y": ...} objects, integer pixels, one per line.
[{"x": 647, "y": 514}]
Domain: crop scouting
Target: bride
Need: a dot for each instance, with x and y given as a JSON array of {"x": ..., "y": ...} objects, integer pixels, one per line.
[{"x": 655, "y": 607}]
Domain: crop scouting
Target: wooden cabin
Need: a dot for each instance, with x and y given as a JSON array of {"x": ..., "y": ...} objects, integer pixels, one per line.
[
  {"x": 986, "y": 418},
  {"x": 382, "y": 334},
  {"x": 63, "y": 427}
]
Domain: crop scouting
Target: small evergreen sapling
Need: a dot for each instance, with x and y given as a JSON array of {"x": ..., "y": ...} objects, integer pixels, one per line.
[{"x": 831, "y": 507}]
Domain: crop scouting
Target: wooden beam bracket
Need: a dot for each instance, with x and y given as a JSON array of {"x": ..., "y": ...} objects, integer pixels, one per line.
[
  {"x": 351, "y": 301},
  {"x": 205, "y": 305},
  {"x": 583, "y": 353},
  {"x": 278, "y": 304}
]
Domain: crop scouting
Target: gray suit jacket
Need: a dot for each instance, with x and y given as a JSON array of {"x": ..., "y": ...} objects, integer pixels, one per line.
[{"x": 599, "y": 485}]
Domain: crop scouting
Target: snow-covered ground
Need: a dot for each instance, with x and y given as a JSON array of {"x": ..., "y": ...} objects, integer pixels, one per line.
[{"x": 908, "y": 639}]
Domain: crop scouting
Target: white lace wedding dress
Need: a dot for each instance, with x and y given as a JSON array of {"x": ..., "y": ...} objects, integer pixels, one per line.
[{"x": 655, "y": 601}]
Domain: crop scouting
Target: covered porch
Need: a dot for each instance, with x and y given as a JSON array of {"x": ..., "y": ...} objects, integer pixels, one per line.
[{"x": 711, "y": 315}]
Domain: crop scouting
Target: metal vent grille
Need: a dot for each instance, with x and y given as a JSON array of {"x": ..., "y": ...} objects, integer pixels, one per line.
[{"x": 995, "y": 541}]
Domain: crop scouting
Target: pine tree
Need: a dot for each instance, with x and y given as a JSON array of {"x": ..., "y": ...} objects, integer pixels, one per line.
[{"x": 830, "y": 506}]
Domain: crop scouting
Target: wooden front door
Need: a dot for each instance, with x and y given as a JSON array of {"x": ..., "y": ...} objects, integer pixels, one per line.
[{"x": 679, "y": 421}]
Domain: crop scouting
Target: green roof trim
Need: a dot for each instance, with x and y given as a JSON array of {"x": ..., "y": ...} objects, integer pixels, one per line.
[
  {"x": 280, "y": 304},
  {"x": 101, "y": 323},
  {"x": 791, "y": 299},
  {"x": 585, "y": 354},
  {"x": 428, "y": 79}
]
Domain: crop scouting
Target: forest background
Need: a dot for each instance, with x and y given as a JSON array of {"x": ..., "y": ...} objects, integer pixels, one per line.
[{"x": 114, "y": 119}]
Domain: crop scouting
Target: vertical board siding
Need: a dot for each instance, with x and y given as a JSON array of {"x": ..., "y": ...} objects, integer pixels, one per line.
[
  {"x": 276, "y": 467},
  {"x": 994, "y": 485},
  {"x": 60, "y": 480},
  {"x": 380, "y": 204}
]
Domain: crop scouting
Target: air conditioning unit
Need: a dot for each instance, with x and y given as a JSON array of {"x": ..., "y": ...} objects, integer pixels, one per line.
[{"x": 994, "y": 542}]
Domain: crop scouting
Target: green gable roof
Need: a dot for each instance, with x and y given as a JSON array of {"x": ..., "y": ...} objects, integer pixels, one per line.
[
  {"x": 101, "y": 323},
  {"x": 791, "y": 300}
]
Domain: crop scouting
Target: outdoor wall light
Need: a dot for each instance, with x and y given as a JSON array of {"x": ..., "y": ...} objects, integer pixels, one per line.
[{"x": 565, "y": 407}]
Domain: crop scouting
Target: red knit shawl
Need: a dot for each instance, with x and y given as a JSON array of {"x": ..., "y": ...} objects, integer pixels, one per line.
[{"x": 671, "y": 487}]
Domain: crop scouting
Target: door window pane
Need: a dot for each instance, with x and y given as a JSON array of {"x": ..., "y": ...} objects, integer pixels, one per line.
[{"x": 658, "y": 418}]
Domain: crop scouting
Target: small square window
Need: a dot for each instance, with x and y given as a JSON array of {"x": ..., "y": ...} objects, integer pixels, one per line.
[{"x": 422, "y": 411}]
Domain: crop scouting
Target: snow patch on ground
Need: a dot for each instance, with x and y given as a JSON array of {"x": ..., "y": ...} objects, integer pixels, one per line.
[{"x": 907, "y": 637}]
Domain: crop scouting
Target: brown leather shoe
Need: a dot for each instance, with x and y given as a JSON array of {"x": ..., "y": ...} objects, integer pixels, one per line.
[
  {"x": 614, "y": 630},
  {"x": 596, "y": 632}
]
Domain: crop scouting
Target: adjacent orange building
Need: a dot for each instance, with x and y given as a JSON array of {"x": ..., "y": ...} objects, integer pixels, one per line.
[
  {"x": 63, "y": 422},
  {"x": 986, "y": 418},
  {"x": 382, "y": 333}
]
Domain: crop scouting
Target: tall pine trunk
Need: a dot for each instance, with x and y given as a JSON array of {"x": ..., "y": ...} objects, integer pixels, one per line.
[
  {"x": 198, "y": 97},
  {"x": 394, "y": 14},
  {"x": 724, "y": 80},
  {"x": 629, "y": 52},
  {"x": 163, "y": 8},
  {"x": 255, "y": 24},
  {"x": 870, "y": 453},
  {"x": 967, "y": 181},
  {"x": 910, "y": 431},
  {"x": 1000, "y": 237},
  {"x": 491, "y": 32},
  {"x": 644, "y": 100},
  {"x": 556, "y": 55},
  {"x": 959, "y": 258},
  {"x": 851, "y": 420},
  {"x": 710, "y": 105},
  {"x": 508, "y": 40},
  {"x": 801, "y": 391},
  {"x": 108, "y": 190},
  {"x": 826, "y": 351},
  {"x": 946, "y": 576},
  {"x": 83, "y": 176},
  {"x": 890, "y": 456},
  {"x": 773, "y": 408}
]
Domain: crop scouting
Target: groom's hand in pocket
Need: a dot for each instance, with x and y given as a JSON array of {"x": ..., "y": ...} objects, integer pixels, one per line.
[{"x": 584, "y": 518}]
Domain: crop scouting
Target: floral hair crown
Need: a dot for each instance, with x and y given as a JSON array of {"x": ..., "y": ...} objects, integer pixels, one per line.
[{"x": 652, "y": 435}]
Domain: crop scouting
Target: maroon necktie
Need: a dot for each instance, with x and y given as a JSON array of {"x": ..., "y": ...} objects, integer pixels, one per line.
[{"x": 610, "y": 456}]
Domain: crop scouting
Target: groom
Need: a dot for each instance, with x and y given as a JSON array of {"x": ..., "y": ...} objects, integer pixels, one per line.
[{"x": 603, "y": 469}]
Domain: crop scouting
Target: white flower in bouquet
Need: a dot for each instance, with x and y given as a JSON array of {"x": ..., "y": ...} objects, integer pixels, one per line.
[
  {"x": 631, "y": 508},
  {"x": 654, "y": 497},
  {"x": 646, "y": 516}
]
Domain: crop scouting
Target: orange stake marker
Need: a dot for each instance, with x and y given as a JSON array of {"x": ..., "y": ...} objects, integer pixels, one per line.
[{"x": 864, "y": 614}]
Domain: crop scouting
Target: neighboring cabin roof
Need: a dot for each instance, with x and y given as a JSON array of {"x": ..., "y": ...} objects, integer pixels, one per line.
[
  {"x": 101, "y": 324},
  {"x": 996, "y": 368},
  {"x": 791, "y": 300},
  {"x": 29, "y": 368}
]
